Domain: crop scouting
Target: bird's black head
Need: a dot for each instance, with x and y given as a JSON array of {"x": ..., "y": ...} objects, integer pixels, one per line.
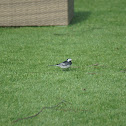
[{"x": 68, "y": 60}]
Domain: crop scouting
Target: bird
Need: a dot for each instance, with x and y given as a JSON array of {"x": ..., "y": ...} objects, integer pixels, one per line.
[{"x": 65, "y": 64}]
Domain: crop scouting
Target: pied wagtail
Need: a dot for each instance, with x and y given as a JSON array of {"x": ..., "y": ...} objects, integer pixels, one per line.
[{"x": 65, "y": 64}]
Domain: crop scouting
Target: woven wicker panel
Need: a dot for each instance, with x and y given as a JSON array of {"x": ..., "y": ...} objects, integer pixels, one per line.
[{"x": 35, "y": 12}]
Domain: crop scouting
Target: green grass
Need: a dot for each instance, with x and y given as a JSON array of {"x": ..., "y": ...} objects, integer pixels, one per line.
[{"x": 96, "y": 35}]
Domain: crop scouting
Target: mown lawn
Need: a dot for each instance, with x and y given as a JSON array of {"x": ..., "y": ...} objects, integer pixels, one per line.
[{"x": 94, "y": 87}]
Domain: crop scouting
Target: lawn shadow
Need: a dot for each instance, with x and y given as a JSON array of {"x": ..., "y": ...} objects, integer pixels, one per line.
[{"x": 80, "y": 16}]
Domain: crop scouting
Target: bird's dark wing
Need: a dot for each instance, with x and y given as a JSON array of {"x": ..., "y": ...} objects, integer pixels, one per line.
[
  {"x": 62, "y": 64},
  {"x": 65, "y": 62}
]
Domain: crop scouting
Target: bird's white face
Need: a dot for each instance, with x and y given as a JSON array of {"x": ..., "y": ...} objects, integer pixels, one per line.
[{"x": 69, "y": 60}]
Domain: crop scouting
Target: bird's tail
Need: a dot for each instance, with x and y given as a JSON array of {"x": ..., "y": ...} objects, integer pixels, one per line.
[{"x": 52, "y": 65}]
